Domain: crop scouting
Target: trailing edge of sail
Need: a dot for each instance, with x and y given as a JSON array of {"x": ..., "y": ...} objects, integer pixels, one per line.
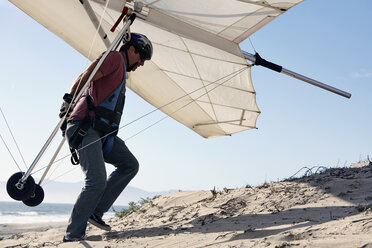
[{"x": 197, "y": 63}]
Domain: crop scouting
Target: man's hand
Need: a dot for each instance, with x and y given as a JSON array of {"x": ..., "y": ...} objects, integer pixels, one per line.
[{"x": 65, "y": 111}]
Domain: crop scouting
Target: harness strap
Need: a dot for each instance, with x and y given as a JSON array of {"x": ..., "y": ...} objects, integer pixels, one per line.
[
  {"x": 121, "y": 98},
  {"x": 111, "y": 116},
  {"x": 77, "y": 137},
  {"x": 74, "y": 157}
]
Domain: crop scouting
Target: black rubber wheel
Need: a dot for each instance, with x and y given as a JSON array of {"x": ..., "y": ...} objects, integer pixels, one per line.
[
  {"x": 20, "y": 194},
  {"x": 36, "y": 198}
]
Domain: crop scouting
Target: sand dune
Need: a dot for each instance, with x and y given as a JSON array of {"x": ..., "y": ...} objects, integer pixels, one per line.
[{"x": 329, "y": 209}]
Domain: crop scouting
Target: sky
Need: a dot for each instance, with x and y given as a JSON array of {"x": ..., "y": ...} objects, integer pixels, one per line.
[{"x": 300, "y": 125}]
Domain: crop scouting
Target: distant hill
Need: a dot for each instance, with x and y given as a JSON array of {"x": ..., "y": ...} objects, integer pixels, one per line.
[{"x": 60, "y": 192}]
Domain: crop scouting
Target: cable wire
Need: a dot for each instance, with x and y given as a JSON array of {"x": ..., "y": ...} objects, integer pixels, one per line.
[
  {"x": 13, "y": 138},
  {"x": 165, "y": 117},
  {"x": 249, "y": 38},
  {"x": 229, "y": 77},
  {"x": 10, "y": 152}
]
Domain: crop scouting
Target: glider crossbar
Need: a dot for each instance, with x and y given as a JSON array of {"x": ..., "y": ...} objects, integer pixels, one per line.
[
  {"x": 216, "y": 122},
  {"x": 97, "y": 24},
  {"x": 112, "y": 47},
  {"x": 257, "y": 60}
]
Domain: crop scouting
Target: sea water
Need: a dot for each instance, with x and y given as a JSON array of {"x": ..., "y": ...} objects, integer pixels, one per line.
[{"x": 17, "y": 212}]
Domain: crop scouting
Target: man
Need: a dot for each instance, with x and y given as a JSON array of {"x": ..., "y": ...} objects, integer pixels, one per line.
[{"x": 91, "y": 130}]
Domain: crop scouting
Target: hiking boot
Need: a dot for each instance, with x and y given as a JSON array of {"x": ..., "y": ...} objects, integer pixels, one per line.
[
  {"x": 98, "y": 222},
  {"x": 68, "y": 239}
]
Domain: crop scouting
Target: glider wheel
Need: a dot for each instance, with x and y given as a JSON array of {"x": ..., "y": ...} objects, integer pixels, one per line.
[
  {"x": 36, "y": 198},
  {"x": 19, "y": 191}
]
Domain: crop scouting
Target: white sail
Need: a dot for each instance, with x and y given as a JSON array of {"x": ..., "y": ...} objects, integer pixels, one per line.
[{"x": 197, "y": 75}]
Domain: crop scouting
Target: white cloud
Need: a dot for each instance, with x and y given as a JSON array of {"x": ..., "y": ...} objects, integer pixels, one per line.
[{"x": 362, "y": 73}]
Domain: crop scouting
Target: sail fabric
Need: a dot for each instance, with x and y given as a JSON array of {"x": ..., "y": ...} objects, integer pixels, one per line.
[{"x": 198, "y": 75}]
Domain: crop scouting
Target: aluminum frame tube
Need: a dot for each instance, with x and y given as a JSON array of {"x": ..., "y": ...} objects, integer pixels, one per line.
[
  {"x": 88, "y": 8},
  {"x": 316, "y": 83},
  {"x": 52, "y": 160},
  {"x": 296, "y": 75}
]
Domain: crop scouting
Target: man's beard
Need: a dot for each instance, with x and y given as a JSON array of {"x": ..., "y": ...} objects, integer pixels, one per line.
[{"x": 130, "y": 68}]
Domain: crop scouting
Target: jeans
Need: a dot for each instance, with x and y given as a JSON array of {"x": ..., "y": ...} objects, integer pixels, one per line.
[{"x": 99, "y": 192}]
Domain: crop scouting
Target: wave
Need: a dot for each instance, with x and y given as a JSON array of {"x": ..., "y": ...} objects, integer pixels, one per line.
[
  {"x": 19, "y": 213},
  {"x": 47, "y": 212},
  {"x": 34, "y": 217},
  {"x": 18, "y": 219},
  {"x": 25, "y": 219}
]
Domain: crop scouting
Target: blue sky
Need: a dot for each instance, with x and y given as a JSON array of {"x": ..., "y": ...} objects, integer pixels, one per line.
[{"x": 300, "y": 125}]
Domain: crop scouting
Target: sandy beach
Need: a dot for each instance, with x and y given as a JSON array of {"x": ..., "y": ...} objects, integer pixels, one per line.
[
  {"x": 329, "y": 209},
  {"x": 12, "y": 230}
]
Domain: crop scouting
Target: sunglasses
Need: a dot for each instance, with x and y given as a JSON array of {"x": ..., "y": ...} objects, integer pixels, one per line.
[{"x": 143, "y": 57}]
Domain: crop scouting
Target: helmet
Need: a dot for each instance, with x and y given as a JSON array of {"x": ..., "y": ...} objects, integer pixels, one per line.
[{"x": 141, "y": 43}]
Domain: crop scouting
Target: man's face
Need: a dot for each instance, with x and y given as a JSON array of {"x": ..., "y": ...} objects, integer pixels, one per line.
[{"x": 134, "y": 59}]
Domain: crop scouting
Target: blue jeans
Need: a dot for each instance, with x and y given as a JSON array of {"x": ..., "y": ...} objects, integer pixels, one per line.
[{"x": 99, "y": 192}]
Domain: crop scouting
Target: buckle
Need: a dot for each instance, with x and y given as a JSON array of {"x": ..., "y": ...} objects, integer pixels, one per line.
[{"x": 82, "y": 132}]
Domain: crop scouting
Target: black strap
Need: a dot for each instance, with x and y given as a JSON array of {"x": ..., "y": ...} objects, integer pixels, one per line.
[
  {"x": 120, "y": 98},
  {"x": 74, "y": 157},
  {"x": 89, "y": 101},
  {"x": 77, "y": 137},
  {"x": 109, "y": 115}
]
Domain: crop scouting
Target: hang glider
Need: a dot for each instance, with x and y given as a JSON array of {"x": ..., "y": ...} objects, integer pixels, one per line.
[
  {"x": 196, "y": 46},
  {"x": 198, "y": 74}
]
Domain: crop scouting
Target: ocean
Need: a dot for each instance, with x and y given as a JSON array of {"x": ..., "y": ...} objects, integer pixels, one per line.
[{"x": 17, "y": 212}]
